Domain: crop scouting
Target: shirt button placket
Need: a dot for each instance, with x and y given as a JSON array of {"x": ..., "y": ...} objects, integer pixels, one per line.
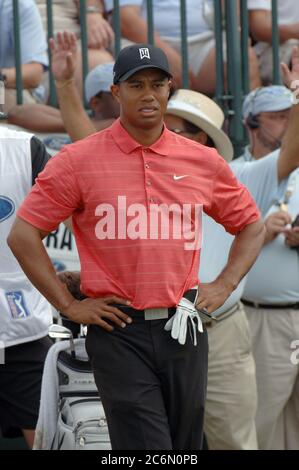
[{"x": 150, "y": 199}]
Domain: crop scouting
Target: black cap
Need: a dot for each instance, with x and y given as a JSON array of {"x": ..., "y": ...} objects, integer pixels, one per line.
[{"x": 138, "y": 57}]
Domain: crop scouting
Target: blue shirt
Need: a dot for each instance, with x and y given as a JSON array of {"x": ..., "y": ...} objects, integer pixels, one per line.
[
  {"x": 32, "y": 36},
  {"x": 167, "y": 15},
  {"x": 260, "y": 177}
]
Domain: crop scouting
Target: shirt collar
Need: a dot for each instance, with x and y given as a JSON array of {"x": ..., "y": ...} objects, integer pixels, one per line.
[{"x": 127, "y": 144}]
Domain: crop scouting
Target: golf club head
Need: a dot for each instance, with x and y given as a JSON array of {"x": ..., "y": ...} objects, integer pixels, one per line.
[{"x": 59, "y": 332}]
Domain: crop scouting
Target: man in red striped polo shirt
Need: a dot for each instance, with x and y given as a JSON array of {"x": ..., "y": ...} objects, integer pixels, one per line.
[{"x": 136, "y": 192}]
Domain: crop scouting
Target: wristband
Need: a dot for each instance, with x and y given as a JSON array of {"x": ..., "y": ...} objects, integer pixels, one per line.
[{"x": 64, "y": 83}]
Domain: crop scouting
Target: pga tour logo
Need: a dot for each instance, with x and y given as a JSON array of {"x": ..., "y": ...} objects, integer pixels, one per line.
[
  {"x": 154, "y": 222},
  {"x": 144, "y": 53}
]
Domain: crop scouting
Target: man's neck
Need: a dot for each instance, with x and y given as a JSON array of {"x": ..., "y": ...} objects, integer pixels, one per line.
[
  {"x": 259, "y": 151},
  {"x": 255, "y": 154},
  {"x": 145, "y": 137}
]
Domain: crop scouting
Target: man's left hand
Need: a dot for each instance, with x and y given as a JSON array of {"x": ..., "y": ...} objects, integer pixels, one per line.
[
  {"x": 212, "y": 295},
  {"x": 64, "y": 56}
]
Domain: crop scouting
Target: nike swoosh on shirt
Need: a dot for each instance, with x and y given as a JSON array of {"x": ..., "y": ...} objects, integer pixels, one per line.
[{"x": 179, "y": 177}]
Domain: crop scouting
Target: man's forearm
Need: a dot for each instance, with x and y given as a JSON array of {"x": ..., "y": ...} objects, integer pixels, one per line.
[
  {"x": 25, "y": 241},
  {"x": 76, "y": 121},
  {"x": 243, "y": 253},
  {"x": 31, "y": 75},
  {"x": 36, "y": 117},
  {"x": 288, "y": 31}
]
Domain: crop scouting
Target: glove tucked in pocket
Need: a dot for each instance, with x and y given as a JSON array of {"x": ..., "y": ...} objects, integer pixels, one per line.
[{"x": 185, "y": 317}]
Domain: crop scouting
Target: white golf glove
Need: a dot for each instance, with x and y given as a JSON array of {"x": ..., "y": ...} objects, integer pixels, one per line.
[{"x": 184, "y": 318}]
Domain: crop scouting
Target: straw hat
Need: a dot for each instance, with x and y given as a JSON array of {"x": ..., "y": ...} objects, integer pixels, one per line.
[{"x": 203, "y": 113}]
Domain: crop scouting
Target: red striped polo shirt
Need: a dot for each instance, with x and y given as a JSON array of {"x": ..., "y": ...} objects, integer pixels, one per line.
[{"x": 136, "y": 211}]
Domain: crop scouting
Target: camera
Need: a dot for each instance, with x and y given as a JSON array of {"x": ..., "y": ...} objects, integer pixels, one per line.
[{"x": 295, "y": 223}]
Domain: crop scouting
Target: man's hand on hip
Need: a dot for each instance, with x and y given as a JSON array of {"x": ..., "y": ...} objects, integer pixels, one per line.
[
  {"x": 212, "y": 295},
  {"x": 98, "y": 311}
]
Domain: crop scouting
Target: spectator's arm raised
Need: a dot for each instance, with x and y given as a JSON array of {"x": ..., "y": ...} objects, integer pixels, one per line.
[{"x": 64, "y": 53}]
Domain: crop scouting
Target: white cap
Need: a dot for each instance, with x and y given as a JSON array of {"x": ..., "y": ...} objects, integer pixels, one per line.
[{"x": 99, "y": 79}]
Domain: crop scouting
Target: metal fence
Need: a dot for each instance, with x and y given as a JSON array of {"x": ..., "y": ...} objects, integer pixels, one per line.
[{"x": 226, "y": 21}]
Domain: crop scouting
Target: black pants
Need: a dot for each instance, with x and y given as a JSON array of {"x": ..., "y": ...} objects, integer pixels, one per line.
[{"x": 153, "y": 389}]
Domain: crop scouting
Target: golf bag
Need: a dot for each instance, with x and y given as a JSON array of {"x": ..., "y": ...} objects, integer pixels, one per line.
[{"x": 81, "y": 422}]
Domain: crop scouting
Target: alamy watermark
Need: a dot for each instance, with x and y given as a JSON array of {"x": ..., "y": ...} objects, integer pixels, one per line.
[
  {"x": 295, "y": 354},
  {"x": 153, "y": 222}
]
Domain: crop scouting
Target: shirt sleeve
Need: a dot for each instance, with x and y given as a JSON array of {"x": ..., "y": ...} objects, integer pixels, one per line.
[
  {"x": 34, "y": 46},
  {"x": 261, "y": 178},
  {"x": 55, "y": 195},
  {"x": 232, "y": 205},
  {"x": 39, "y": 157},
  {"x": 259, "y": 5}
]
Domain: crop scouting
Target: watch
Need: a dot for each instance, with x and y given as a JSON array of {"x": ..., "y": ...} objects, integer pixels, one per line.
[{"x": 93, "y": 9}]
